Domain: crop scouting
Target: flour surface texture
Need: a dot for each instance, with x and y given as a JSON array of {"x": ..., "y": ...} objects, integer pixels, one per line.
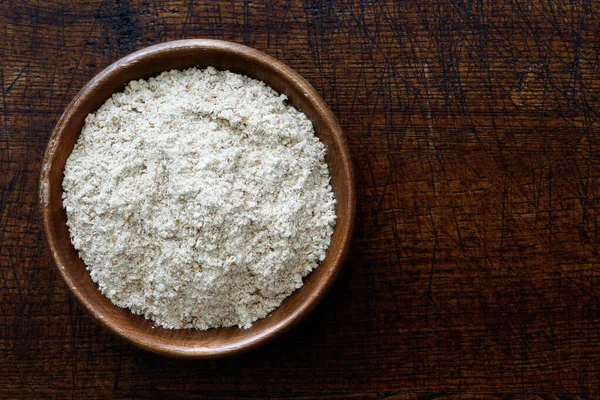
[{"x": 199, "y": 199}]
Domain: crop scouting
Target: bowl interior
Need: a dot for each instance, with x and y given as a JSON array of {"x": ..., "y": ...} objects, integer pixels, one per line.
[{"x": 150, "y": 62}]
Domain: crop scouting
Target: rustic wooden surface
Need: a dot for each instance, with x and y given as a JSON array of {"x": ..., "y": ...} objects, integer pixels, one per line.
[{"x": 474, "y": 129}]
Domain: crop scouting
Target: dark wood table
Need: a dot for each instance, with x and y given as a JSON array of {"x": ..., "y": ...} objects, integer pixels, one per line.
[{"x": 475, "y": 133}]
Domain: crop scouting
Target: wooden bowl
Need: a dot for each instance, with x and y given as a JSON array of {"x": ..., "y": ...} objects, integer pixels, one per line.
[{"x": 150, "y": 62}]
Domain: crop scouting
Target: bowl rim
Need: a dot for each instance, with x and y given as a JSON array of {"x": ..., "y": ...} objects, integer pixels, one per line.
[{"x": 287, "y": 74}]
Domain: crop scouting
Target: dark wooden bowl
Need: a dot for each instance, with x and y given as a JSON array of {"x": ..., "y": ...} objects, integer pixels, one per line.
[{"x": 150, "y": 62}]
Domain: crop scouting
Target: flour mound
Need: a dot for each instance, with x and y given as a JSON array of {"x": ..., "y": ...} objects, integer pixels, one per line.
[{"x": 199, "y": 199}]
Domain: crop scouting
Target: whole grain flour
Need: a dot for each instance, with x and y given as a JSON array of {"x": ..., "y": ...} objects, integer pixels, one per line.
[{"x": 199, "y": 198}]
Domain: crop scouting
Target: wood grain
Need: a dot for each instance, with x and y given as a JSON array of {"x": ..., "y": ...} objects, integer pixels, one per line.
[{"x": 474, "y": 131}]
